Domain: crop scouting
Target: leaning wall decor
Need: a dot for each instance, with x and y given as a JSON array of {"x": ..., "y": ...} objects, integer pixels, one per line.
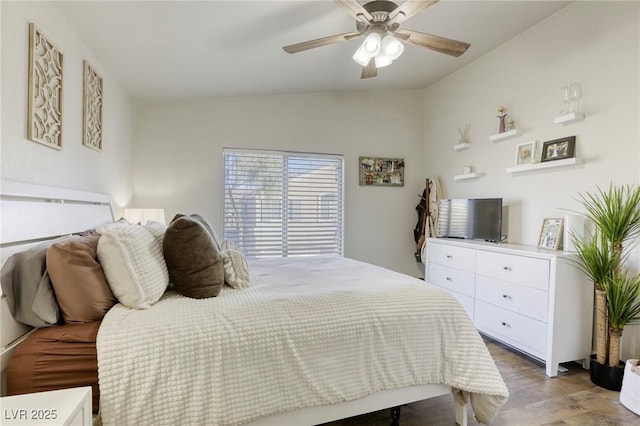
[
  {"x": 44, "y": 119},
  {"x": 381, "y": 171},
  {"x": 92, "y": 109}
]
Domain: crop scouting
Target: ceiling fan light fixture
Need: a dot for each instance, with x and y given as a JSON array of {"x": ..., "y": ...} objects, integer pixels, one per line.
[
  {"x": 382, "y": 60},
  {"x": 378, "y": 22},
  {"x": 391, "y": 47},
  {"x": 371, "y": 44},
  {"x": 361, "y": 57}
]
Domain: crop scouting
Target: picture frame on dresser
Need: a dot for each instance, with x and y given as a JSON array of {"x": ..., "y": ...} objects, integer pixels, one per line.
[{"x": 551, "y": 234}]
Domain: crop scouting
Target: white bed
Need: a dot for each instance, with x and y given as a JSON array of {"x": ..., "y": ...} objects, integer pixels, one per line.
[{"x": 31, "y": 213}]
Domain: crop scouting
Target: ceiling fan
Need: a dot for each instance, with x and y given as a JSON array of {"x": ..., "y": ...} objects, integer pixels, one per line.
[{"x": 379, "y": 22}]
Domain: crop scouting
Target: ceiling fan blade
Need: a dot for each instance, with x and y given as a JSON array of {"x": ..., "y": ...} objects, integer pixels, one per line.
[
  {"x": 407, "y": 10},
  {"x": 312, "y": 44},
  {"x": 356, "y": 10},
  {"x": 370, "y": 70},
  {"x": 439, "y": 44}
]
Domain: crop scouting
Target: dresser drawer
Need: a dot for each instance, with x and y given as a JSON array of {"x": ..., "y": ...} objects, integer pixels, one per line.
[
  {"x": 522, "y": 332},
  {"x": 453, "y": 279},
  {"x": 455, "y": 257},
  {"x": 523, "y": 270},
  {"x": 526, "y": 301}
]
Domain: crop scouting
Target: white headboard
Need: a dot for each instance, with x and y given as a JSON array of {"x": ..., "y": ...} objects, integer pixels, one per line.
[{"x": 30, "y": 214}]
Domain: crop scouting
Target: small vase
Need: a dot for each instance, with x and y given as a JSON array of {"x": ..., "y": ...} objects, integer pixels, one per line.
[{"x": 503, "y": 126}]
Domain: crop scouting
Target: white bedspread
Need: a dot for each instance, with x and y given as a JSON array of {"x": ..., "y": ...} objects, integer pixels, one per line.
[{"x": 307, "y": 332}]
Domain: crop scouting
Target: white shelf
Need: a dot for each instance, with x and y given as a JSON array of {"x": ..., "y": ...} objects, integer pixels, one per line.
[
  {"x": 503, "y": 135},
  {"x": 545, "y": 165},
  {"x": 568, "y": 118},
  {"x": 461, "y": 146},
  {"x": 468, "y": 176}
]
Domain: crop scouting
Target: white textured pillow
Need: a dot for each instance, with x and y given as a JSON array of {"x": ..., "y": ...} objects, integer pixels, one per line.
[
  {"x": 133, "y": 264},
  {"x": 236, "y": 269}
]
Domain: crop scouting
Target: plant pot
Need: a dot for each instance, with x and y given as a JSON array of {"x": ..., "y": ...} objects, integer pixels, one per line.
[{"x": 605, "y": 376}]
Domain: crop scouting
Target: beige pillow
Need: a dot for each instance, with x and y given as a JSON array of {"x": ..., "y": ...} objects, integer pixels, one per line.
[
  {"x": 133, "y": 264},
  {"x": 78, "y": 280},
  {"x": 194, "y": 263},
  {"x": 236, "y": 268}
]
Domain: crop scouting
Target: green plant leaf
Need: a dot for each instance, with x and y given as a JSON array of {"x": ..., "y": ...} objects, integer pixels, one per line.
[
  {"x": 623, "y": 301},
  {"x": 594, "y": 258},
  {"x": 615, "y": 213}
]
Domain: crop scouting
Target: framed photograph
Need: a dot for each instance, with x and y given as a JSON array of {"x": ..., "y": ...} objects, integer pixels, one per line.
[
  {"x": 558, "y": 149},
  {"x": 551, "y": 234},
  {"x": 526, "y": 153},
  {"x": 376, "y": 171}
]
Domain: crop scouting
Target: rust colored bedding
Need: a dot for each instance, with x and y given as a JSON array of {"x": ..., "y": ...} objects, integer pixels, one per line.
[{"x": 57, "y": 357}]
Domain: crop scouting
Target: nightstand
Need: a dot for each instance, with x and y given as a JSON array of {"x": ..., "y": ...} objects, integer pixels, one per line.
[{"x": 60, "y": 407}]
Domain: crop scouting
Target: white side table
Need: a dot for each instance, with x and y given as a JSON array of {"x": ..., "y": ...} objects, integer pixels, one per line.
[{"x": 59, "y": 407}]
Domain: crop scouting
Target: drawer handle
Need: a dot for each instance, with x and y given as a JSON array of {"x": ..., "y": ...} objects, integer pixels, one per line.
[
  {"x": 449, "y": 279},
  {"x": 506, "y": 296},
  {"x": 449, "y": 256},
  {"x": 506, "y": 268},
  {"x": 504, "y": 324}
]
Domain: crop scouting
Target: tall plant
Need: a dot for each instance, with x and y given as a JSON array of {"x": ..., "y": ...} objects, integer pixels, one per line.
[
  {"x": 623, "y": 306},
  {"x": 596, "y": 261},
  {"x": 615, "y": 213}
]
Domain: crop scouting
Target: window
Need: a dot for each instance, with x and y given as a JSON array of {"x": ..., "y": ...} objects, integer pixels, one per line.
[
  {"x": 281, "y": 204},
  {"x": 327, "y": 206}
]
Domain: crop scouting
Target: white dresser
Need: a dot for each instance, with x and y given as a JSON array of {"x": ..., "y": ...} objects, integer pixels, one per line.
[
  {"x": 534, "y": 300},
  {"x": 65, "y": 407}
]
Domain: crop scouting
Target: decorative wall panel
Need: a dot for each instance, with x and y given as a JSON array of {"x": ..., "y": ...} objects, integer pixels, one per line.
[
  {"x": 44, "y": 121},
  {"x": 92, "y": 109}
]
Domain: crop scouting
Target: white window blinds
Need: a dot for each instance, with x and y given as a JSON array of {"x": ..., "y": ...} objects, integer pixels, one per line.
[{"x": 280, "y": 204}]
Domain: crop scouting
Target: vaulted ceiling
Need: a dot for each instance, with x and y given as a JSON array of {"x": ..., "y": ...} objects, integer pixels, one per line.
[{"x": 167, "y": 50}]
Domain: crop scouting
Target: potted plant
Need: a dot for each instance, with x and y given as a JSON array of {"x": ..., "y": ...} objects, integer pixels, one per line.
[
  {"x": 595, "y": 260},
  {"x": 615, "y": 215},
  {"x": 623, "y": 308}
]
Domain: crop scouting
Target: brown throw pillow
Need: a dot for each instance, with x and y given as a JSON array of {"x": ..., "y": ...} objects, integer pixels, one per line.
[
  {"x": 195, "y": 266},
  {"x": 78, "y": 279},
  {"x": 202, "y": 221}
]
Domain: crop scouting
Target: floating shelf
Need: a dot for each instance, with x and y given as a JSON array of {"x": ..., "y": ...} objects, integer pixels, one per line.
[
  {"x": 545, "y": 165},
  {"x": 468, "y": 176},
  {"x": 568, "y": 118},
  {"x": 503, "y": 135},
  {"x": 461, "y": 146}
]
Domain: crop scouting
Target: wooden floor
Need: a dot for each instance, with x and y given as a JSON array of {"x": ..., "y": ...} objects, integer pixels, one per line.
[{"x": 535, "y": 400}]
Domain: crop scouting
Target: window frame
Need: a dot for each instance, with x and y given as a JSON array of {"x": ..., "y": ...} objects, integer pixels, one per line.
[{"x": 287, "y": 203}]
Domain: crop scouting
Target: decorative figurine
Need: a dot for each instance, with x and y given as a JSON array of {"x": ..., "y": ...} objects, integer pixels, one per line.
[
  {"x": 511, "y": 124},
  {"x": 502, "y": 117},
  {"x": 464, "y": 134}
]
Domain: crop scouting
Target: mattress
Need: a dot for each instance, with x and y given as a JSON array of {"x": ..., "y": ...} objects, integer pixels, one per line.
[
  {"x": 57, "y": 357},
  {"x": 307, "y": 332}
]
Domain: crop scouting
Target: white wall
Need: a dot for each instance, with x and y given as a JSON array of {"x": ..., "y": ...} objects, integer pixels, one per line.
[
  {"x": 75, "y": 166},
  {"x": 179, "y": 145},
  {"x": 594, "y": 43}
]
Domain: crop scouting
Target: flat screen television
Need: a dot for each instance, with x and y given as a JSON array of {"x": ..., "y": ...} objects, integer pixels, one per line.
[{"x": 470, "y": 218}]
